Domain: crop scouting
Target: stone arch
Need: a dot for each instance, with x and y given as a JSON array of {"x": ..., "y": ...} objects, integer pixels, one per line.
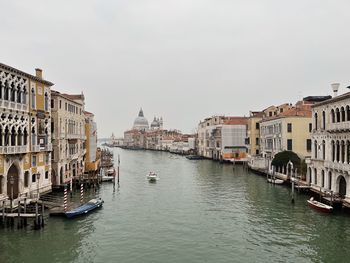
[
  {"x": 13, "y": 174},
  {"x": 341, "y": 185}
]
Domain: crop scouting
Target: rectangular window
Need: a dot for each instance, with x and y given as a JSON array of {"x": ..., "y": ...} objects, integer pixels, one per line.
[
  {"x": 52, "y": 127},
  {"x": 290, "y": 145},
  {"x": 33, "y": 178},
  {"x": 289, "y": 127},
  {"x": 65, "y": 106},
  {"x": 257, "y": 126},
  {"x": 34, "y": 160},
  {"x": 26, "y": 179},
  {"x": 270, "y": 114},
  {"x": 47, "y": 158},
  {"x": 257, "y": 141},
  {"x": 308, "y": 145},
  {"x": 256, "y": 152},
  {"x": 310, "y": 127},
  {"x": 46, "y": 175},
  {"x": 60, "y": 104}
]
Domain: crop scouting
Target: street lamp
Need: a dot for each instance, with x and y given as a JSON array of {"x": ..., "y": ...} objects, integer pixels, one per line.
[{"x": 12, "y": 181}]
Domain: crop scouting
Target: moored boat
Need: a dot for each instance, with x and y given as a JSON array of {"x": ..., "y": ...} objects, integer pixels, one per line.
[
  {"x": 194, "y": 157},
  {"x": 319, "y": 206},
  {"x": 85, "y": 208},
  {"x": 275, "y": 181}
]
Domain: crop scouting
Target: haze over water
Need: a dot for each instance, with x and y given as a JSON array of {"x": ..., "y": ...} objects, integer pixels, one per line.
[{"x": 199, "y": 211}]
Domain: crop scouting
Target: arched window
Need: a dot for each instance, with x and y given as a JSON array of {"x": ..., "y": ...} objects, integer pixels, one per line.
[
  {"x": 322, "y": 178},
  {"x": 1, "y": 86},
  {"x": 333, "y": 151},
  {"x": 315, "y": 176},
  {"x": 348, "y": 113},
  {"x": 25, "y": 137},
  {"x": 342, "y": 147},
  {"x": 33, "y": 137},
  {"x": 342, "y": 111},
  {"x": 46, "y": 103},
  {"x": 6, "y": 93},
  {"x": 348, "y": 151},
  {"x": 315, "y": 147},
  {"x": 330, "y": 180},
  {"x": 33, "y": 99},
  {"x": 338, "y": 152},
  {"x": 323, "y": 120},
  {"x": 13, "y": 92},
  {"x": 19, "y": 95},
  {"x": 323, "y": 150},
  {"x": 316, "y": 120},
  {"x": 337, "y": 112},
  {"x": 24, "y": 94},
  {"x": 1, "y": 182},
  {"x": 332, "y": 116},
  {"x": 13, "y": 136}
]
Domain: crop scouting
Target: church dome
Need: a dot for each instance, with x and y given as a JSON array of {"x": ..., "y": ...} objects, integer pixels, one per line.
[
  {"x": 141, "y": 123},
  {"x": 155, "y": 123}
]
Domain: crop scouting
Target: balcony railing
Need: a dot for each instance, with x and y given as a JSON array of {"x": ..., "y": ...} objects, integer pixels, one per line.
[
  {"x": 35, "y": 148},
  {"x": 13, "y": 105},
  {"x": 13, "y": 149},
  {"x": 73, "y": 136},
  {"x": 345, "y": 167},
  {"x": 339, "y": 126}
]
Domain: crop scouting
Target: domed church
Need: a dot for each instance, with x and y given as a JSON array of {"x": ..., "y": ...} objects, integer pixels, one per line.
[{"x": 141, "y": 123}]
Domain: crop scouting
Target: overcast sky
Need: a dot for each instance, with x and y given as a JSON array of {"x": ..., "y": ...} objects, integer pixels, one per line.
[{"x": 180, "y": 59}]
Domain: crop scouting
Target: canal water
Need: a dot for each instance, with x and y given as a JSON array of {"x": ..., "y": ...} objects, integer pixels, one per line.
[{"x": 199, "y": 211}]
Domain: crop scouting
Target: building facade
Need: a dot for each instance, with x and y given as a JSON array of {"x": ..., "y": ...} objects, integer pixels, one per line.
[
  {"x": 69, "y": 137},
  {"x": 92, "y": 159},
  {"x": 329, "y": 166},
  {"x": 25, "y": 140}
]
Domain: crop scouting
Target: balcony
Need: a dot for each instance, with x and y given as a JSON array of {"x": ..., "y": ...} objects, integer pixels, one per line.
[
  {"x": 339, "y": 127},
  {"x": 13, "y": 149},
  {"x": 13, "y": 105},
  {"x": 47, "y": 147},
  {"x": 35, "y": 148},
  {"x": 340, "y": 167},
  {"x": 73, "y": 136}
]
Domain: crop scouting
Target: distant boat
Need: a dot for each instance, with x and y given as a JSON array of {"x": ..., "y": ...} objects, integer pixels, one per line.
[
  {"x": 152, "y": 177},
  {"x": 194, "y": 157},
  {"x": 107, "y": 178},
  {"x": 85, "y": 208},
  {"x": 319, "y": 206},
  {"x": 275, "y": 181}
]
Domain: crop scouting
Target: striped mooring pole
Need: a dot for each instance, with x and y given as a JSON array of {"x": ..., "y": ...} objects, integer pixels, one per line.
[
  {"x": 65, "y": 198},
  {"x": 81, "y": 193}
]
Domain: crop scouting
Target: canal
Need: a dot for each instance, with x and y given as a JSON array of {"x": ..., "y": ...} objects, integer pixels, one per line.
[{"x": 199, "y": 211}]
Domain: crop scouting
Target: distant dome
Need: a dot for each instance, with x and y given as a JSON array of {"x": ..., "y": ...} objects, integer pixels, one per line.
[
  {"x": 155, "y": 123},
  {"x": 141, "y": 123}
]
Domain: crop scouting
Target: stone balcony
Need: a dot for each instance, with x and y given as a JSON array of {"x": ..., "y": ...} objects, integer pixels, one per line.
[
  {"x": 339, "y": 167},
  {"x": 339, "y": 127},
  {"x": 14, "y": 149},
  {"x": 13, "y": 105},
  {"x": 41, "y": 148}
]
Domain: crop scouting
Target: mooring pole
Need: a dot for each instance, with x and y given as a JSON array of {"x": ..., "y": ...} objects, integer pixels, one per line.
[
  {"x": 118, "y": 167},
  {"x": 65, "y": 198},
  {"x": 19, "y": 214},
  {"x": 25, "y": 210},
  {"x": 3, "y": 211},
  {"x": 42, "y": 213},
  {"x": 71, "y": 188},
  {"x": 81, "y": 193}
]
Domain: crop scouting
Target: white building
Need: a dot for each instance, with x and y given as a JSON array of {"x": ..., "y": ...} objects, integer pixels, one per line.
[{"x": 329, "y": 167}]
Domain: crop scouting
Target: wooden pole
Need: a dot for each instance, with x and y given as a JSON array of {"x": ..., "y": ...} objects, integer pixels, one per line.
[
  {"x": 3, "y": 211},
  {"x": 65, "y": 198},
  {"x": 25, "y": 210},
  {"x": 19, "y": 214},
  {"x": 42, "y": 213}
]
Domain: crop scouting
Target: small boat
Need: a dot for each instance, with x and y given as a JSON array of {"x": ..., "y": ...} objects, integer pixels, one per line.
[
  {"x": 194, "y": 157},
  {"x": 85, "y": 208},
  {"x": 275, "y": 181},
  {"x": 319, "y": 206},
  {"x": 152, "y": 177},
  {"x": 107, "y": 178}
]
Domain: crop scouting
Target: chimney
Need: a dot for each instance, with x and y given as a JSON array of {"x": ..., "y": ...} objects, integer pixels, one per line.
[
  {"x": 335, "y": 87},
  {"x": 39, "y": 73}
]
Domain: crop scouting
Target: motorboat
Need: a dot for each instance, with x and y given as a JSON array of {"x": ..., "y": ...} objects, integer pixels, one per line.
[
  {"x": 319, "y": 206},
  {"x": 275, "y": 181},
  {"x": 152, "y": 177},
  {"x": 194, "y": 157},
  {"x": 85, "y": 208}
]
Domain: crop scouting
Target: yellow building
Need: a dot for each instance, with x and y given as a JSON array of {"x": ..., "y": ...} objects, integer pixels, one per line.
[
  {"x": 92, "y": 158},
  {"x": 289, "y": 130},
  {"x": 253, "y": 132}
]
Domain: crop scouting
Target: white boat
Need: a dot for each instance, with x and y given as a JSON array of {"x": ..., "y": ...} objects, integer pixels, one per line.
[
  {"x": 107, "y": 178},
  {"x": 152, "y": 177},
  {"x": 275, "y": 181},
  {"x": 319, "y": 206}
]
